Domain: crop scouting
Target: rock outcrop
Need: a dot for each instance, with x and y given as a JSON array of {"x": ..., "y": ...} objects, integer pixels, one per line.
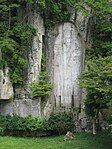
[
  {"x": 22, "y": 108},
  {"x": 6, "y": 89},
  {"x": 65, "y": 63},
  {"x": 64, "y": 46},
  {"x": 35, "y": 54}
]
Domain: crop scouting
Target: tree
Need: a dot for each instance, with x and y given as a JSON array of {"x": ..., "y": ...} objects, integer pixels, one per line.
[
  {"x": 101, "y": 29},
  {"x": 97, "y": 80},
  {"x": 15, "y": 39}
]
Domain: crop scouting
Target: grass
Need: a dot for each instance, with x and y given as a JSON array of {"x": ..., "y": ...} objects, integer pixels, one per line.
[{"x": 81, "y": 141}]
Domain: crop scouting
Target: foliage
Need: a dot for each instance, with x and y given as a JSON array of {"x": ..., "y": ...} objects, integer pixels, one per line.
[
  {"x": 15, "y": 40},
  {"x": 62, "y": 122},
  {"x": 97, "y": 81},
  {"x": 57, "y": 11},
  {"x": 17, "y": 123},
  {"x": 41, "y": 4},
  {"x": 1, "y": 131},
  {"x": 58, "y": 123},
  {"x": 42, "y": 88},
  {"x": 101, "y": 30},
  {"x": 23, "y": 34},
  {"x": 98, "y": 76}
]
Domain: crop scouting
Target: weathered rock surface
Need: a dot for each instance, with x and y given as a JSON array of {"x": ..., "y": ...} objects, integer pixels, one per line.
[
  {"x": 35, "y": 54},
  {"x": 65, "y": 63},
  {"x": 34, "y": 57},
  {"x": 65, "y": 48},
  {"x": 21, "y": 107},
  {"x": 6, "y": 89}
]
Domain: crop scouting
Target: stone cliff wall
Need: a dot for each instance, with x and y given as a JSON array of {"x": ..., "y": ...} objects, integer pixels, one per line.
[
  {"x": 6, "y": 89},
  {"x": 65, "y": 63},
  {"x": 20, "y": 107},
  {"x": 35, "y": 54},
  {"x": 64, "y": 48}
]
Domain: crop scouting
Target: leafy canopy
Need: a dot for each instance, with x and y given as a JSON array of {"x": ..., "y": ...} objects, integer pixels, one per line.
[
  {"x": 15, "y": 40},
  {"x": 97, "y": 80}
]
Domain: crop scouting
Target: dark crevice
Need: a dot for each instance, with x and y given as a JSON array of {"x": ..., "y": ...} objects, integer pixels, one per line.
[{"x": 60, "y": 100}]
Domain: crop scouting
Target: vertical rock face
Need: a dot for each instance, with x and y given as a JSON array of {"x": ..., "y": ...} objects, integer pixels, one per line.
[
  {"x": 22, "y": 108},
  {"x": 64, "y": 55},
  {"x": 35, "y": 53},
  {"x": 6, "y": 89},
  {"x": 84, "y": 24},
  {"x": 34, "y": 56},
  {"x": 65, "y": 65}
]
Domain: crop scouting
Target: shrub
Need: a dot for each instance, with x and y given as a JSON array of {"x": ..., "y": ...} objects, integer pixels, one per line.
[
  {"x": 61, "y": 123},
  {"x": 36, "y": 124},
  {"x": 43, "y": 87},
  {"x": 2, "y": 131},
  {"x": 27, "y": 124},
  {"x": 32, "y": 126},
  {"x": 40, "y": 89}
]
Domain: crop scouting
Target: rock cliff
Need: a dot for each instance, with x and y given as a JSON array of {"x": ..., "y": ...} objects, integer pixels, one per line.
[{"x": 64, "y": 45}]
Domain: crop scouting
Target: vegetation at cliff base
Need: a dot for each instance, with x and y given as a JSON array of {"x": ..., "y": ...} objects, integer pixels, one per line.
[{"x": 36, "y": 126}]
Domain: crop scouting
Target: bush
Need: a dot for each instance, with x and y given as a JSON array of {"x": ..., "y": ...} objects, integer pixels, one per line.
[
  {"x": 36, "y": 126},
  {"x": 15, "y": 124},
  {"x": 43, "y": 87},
  {"x": 2, "y": 131},
  {"x": 40, "y": 89},
  {"x": 61, "y": 123}
]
